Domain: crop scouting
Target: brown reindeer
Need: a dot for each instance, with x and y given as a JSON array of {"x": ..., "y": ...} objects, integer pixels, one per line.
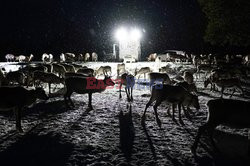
[
  {"x": 16, "y": 98},
  {"x": 83, "y": 85},
  {"x": 175, "y": 95}
]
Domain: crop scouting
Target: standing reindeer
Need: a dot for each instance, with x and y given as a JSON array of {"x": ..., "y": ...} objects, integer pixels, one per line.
[
  {"x": 10, "y": 58},
  {"x": 120, "y": 69},
  {"x": 87, "y": 71},
  {"x": 172, "y": 94},
  {"x": 45, "y": 77},
  {"x": 128, "y": 81},
  {"x": 94, "y": 57},
  {"x": 143, "y": 70},
  {"x": 152, "y": 57},
  {"x": 83, "y": 85},
  {"x": 16, "y": 98},
  {"x": 162, "y": 77},
  {"x": 103, "y": 70},
  {"x": 86, "y": 57},
  {"x": 47, "y": 58}
]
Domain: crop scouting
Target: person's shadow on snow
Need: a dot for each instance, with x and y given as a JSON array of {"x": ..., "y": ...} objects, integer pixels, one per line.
[{"x": 127, "y": 132}]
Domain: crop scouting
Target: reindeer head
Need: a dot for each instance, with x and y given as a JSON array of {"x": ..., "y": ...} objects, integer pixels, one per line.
[{"x": 108, "y": 81}]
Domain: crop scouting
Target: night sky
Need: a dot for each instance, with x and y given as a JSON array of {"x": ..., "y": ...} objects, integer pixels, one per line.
[{"x": 80, "y": 26}]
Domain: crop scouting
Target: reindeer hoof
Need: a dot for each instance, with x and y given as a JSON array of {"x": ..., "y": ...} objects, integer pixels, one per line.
[{"x": 89, "y": 108}]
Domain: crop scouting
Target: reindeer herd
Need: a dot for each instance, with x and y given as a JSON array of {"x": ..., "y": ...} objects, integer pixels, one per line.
[
  {"x": 47, "y": 58},
  {"x": 176, "y": 86}
]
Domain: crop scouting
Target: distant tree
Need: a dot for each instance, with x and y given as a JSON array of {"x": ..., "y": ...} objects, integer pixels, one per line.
[{"x": 228, "y": 22}]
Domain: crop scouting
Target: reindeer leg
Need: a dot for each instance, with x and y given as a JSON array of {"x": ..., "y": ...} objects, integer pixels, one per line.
[
  {"x": 180, "y": 119},
  {"x": 18, "y": 119},
  {"x": 128, "y": 94},
  {"x": 90, "y": 102},
  {"x": 49, "y": 87},
  {"x": 131, "y": 94},
  {"x": 67, "y": 98},
  {"x": 120, "y": 87},
  {"x": 143, "y": 118},
  {"x": 186, "y": 112},
  {"x": 173, "y": 110},
  {"x": 168, "y": 110},
  {"x": 232, "y": 93},
  {"x": 222, "y": 90},
  {"x": 158, "y": 102}
]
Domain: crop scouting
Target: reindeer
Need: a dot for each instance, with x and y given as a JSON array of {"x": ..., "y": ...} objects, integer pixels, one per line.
[
  {"x": 190, "y": 88},
  {"x": 3, "y": 80},
  {"x": 196, "y": 60},
  {"x": 69, "y": 57},
  {"x": 143, "y": 70},
  {"x": 77, "y": 66},
  {"x": 228, "y": 112},
  {"x": 94, "y": 57},
  {"x": 30, "y": 69},
  {"x": 86, "y": 71},
  {"x": 59, "y": 69},
  {"x": 172, "y": 94},
  {"x": 188, "y": 77},
  {"x": 22, "y": 58},
  {"x": 62, "y": 57},
  {"x": 71, "y": 74},
  {"x": 120, "y": 68},
  {"x": 152, "y": 57},
  {"x": 203, "y": 68},
  {"x": 86, "y": 57},
  {"x": 10, "y": 57},
  {"x": 16, "y": 77},
  {"x": 103, "y": 70},
  {"x": 83, "y": 85},
  {"x": 228, "y": 83},
  {"x": 68, "y": 67},
  {"x": 49, "y": 67},
  {"x": 128, "y": 81},
  {"x": 16, "y": 98},
  {"x": 47, "y": 58},
  {"x": 165, "y": 69},
  {"x": 162, "y": 77},
  {"x": 45, "y": 77}
]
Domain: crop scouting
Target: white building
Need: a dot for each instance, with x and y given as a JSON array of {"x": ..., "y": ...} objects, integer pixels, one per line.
[
  {"x": 130, "y": 49},
  {"x": 129, "y": 44}
]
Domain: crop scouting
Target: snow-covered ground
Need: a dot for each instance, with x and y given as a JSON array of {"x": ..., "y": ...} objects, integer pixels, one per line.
[{"x": 55, "y": 135}]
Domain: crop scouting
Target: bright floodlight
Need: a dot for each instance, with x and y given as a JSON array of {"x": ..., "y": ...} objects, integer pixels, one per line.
[
  {"x": 121, "y": 34},
  {"x": 135, "y": 34}
]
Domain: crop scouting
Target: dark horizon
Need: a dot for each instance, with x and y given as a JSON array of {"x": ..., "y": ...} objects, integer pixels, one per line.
[{"x": 88, "y": 26}]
